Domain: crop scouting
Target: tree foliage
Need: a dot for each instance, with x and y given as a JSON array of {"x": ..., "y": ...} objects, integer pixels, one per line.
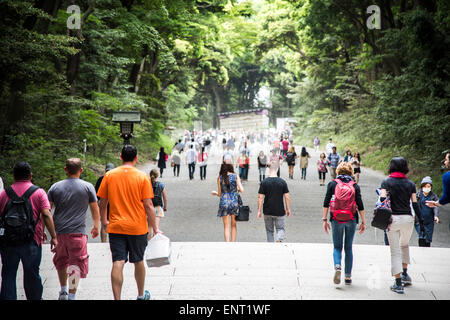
[{"x": 182, "y": 60}]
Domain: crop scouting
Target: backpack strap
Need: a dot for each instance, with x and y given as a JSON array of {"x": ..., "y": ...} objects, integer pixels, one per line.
[
  {"x": 12, "y": 194},
  {"x": 30, "y": 192},
  {"x": 26, "y": 196}
]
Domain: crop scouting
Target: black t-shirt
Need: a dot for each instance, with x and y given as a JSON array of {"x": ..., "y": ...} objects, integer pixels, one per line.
[
  {"x": 400, "y": 191},
  {"x": 99, "y": 182},
  {"x": 97, "y": 187},
  {"x": 273, "y": 189}
]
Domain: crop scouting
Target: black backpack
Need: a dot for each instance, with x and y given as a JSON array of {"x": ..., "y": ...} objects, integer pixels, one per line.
[
  {"x": 157, "y": 194},
  {"x": 17, "y": 224}
]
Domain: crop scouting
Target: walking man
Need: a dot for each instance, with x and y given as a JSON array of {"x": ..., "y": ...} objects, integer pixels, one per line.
[
  {"x": 272, "y": 190},
  {"x": 27, "y": 246},
  {"x": 330, "y": 145},
  {"x": 129, "y": 193},
  {"x": 71, "y": 198},
  {"x": 445, "y": 198},
  {"x": 334, "y": 159},
  {"x": 191, "y": 157}
]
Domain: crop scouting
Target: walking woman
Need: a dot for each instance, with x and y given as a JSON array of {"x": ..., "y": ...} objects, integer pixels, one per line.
[
  {"x": 348, "y": 156},
  {"x": 304, "y": 162},
  {"x": 159, "y": 196},
  {"x": 229, "y": 185},
  {"x": 356, "y": 164},
  {"x": 343, "y": 197},
  {"x": 275, "y": 157},
  {"x": 401, "y": 191},
  {"x": 262, "y": 165},
  {"x": 290, "y": 160},
  {"x": 202, "y": 162},
  {"x": 322, "y": 168},
  {"x": 176, "y": 160},
  {"x": 162, "y": 158},
  {"x": 430, "y": 215}
]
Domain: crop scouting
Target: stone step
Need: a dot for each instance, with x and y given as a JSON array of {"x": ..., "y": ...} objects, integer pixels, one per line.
[{"x": 258, "y": 270}]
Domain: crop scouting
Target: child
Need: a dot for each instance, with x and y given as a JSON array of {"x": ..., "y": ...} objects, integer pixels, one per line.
[
  {"x": 430, "y": 215},
  {"x": 160, "y": 196}
]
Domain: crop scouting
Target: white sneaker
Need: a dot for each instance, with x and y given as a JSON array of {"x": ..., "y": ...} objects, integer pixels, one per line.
[
  {"x": 63, "y": 295},
  {"x": 337, "y": 276}
]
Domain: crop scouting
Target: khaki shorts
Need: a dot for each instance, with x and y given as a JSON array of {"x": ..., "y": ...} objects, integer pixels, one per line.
[{"x": 159, "y": 212}]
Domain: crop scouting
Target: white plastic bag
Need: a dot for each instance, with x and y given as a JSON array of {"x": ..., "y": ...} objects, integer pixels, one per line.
[{"x": 158, "y": 251}]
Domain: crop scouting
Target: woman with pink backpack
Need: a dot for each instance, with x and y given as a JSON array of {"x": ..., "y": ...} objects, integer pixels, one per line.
[{"x": 343, "y": 198}]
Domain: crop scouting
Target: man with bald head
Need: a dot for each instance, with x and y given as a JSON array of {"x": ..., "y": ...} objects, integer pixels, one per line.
[{"x": 71, "y": 198}]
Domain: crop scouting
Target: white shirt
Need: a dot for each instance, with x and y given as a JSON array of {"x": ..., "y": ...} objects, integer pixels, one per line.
[
  {"x": 330, "y": 146},
  {"x": 190, "y": 155},
  {"x": 228, "y": 155},
  {"x": 205, "y": 159}
]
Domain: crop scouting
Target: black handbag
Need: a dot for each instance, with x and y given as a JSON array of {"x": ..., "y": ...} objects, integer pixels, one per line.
[
  {"x": 244, "y": 211},
  {"x": 382, "y": 215}
]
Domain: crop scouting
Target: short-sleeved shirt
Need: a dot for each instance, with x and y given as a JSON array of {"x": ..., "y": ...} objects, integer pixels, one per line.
[
  {"x": 285, "y": 144},
  {"x": 190, "y": 155},
  {"x": 334, "y": 159},
  {"x": 276, "y": 143},
  {"x": 227, "y": 155},
  {"x": 39, "y": 202},
  {"x": 125, "y": 188},
  {"x": 273, "y": 189},
  {"x": 176, "y": 158},
  {"x": 158, "y": 187},
  {"x": 71, "y": 198},
  {"x": 400, "y": 191}
]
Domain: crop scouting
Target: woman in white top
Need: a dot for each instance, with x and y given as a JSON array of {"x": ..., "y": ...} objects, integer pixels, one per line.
[{"x": 176, "y": 162}]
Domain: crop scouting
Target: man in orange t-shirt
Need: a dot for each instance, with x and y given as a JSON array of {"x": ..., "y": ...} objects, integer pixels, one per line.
[{"x": 129, "y": 194}]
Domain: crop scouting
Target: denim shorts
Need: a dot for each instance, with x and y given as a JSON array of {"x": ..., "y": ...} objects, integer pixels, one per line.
[{"x": 127, "y": 247}]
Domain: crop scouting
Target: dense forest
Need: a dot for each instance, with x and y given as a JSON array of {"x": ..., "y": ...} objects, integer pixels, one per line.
[{"x": 383, "y": 91}]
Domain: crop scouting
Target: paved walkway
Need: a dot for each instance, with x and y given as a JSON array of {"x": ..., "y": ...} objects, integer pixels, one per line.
[
  {"x": 192, "y": 210},
  {"x": 246, "y": 270},
  {"x": 204, "y": 267}
]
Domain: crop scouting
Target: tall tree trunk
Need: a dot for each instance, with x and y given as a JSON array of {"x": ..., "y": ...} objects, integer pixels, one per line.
[
  {"x": 217, "y": 103},
  {"x": 136, "y": 71},
  {"x": 73, "y": 61}
]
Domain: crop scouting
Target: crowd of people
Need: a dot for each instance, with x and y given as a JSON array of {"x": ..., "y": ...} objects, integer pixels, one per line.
[
  {"x": 127, "y": 204},
  {"x": 235, "y": 149}
]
